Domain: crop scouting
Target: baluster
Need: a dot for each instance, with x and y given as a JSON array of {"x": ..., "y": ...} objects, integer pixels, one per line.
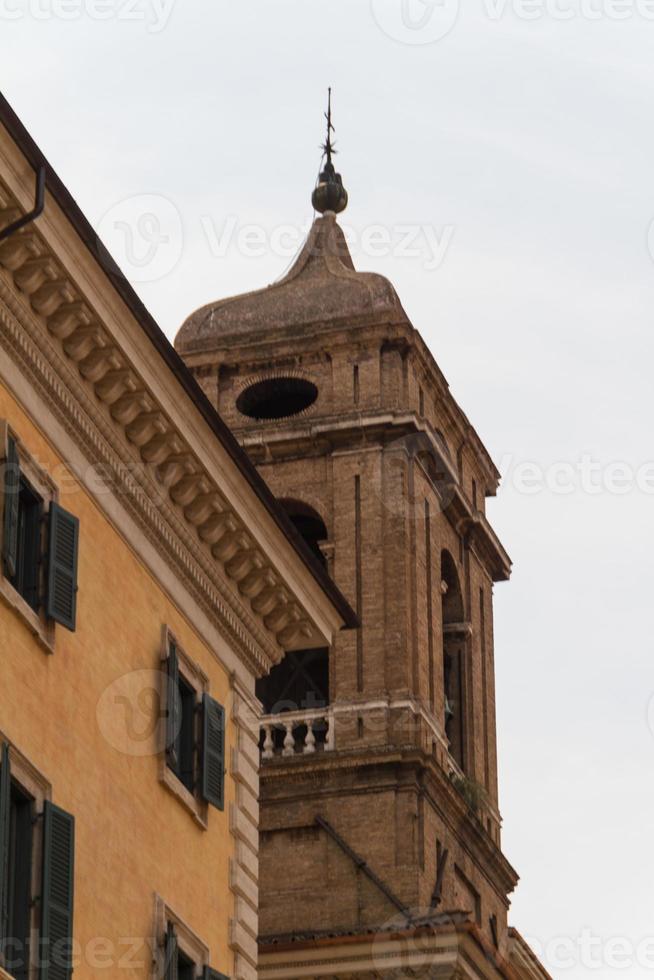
[
  {"x": 310, "y": 741},
  {"x": 329, "y": 740},
  {"x": 289, "y": 739},
  {"x": 268, "y": 744}
]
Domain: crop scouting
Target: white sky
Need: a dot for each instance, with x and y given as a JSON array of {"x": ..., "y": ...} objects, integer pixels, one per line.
[{"x": 526, "y": 147}]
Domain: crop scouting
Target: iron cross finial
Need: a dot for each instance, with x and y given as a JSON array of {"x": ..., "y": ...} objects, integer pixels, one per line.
[
  {"x": 329, "y": 193},
  {"x": 329, "y": 146}
]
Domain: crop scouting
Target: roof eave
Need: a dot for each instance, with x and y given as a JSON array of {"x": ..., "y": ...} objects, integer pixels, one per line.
[{"x": 86, "y": 233}]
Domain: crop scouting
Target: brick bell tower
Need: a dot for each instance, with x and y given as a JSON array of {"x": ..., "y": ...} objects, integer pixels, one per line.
[{"x": 379, "y": 805}]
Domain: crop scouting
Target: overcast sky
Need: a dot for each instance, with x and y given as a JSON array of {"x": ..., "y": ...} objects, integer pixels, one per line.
[{"x": 500, "y": 165}]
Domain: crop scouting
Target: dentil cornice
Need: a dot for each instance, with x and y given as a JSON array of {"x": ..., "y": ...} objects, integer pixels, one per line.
[{"x": 53, "y": 334}]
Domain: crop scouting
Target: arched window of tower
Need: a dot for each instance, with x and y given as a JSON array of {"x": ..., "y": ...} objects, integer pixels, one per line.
[
  {"x": 453, "y": 654},
  {"x": 276, "y": 398},
  {"x": 309, "y": 525},
  {"x": 300, "y": 683}
]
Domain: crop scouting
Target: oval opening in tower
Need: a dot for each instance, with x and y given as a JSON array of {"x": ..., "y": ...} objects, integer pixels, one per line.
[{"x": 276, "y": 398}]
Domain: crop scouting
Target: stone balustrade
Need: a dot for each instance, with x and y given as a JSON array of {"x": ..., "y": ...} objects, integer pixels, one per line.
[{"x": 297, "y": 733}]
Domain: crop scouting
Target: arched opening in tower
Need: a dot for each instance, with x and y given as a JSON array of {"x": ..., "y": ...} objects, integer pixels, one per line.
[
  {"x": 300, "y": 683},
  {"x": 309, "y": 525},
  {"x": 453, "y": 657}
]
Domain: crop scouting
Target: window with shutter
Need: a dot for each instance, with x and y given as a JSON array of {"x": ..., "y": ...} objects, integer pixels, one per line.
[
  {"x": 26, "y": 493},
  {"x": 194, "y": 765},
  {"x": 57, "y": 894},
  {"x": 11, "y": 497},
  {"x": 213, "y": 752},
  {"x": 181, "y": 953},
  {"x": 185, "y": 685},
  {"x": 171, "y": 954},
  {"x": 177, "y": 965},
  {"x": 173, "y": 708},
  {"x": 28, "y": 553},
  {"x": 180, "y": 724},
  {"x": 210, "y": 974},
  {"x": 21, "y": 541},
  {"x": 185, "y": 968},
  {"x": 63, "y": 546},
  {"x": 187, "y": 736},
  {"x": 16, "y": 837},
  {"x": 5, "y": 831}
]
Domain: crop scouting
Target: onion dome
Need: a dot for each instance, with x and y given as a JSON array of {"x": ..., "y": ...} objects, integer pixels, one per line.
[{"x": 322, "y": 288}]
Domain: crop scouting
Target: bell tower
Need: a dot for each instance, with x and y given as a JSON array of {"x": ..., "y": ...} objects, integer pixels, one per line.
[{"x": 379, "y": 803}]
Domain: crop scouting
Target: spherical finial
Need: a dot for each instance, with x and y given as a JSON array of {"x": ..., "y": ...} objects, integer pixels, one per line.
[{"x": 329, "y": 194}]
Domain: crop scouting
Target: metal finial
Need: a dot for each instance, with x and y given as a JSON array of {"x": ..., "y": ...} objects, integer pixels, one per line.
[
  {"x": 328, "y": 147},
  {"x": 329, "y": 194}
]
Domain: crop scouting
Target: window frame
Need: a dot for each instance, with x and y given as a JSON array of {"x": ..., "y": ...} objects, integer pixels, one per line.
[
  {"x": 188, "y": 942},
  {"x": 35, "y": 786},
  {"x": 40, "y": 485},
  {"x": 197, "y": 681}
]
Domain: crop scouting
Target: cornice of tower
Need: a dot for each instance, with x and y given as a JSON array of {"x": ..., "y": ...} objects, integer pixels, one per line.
[
  {"x": 316, "y": 778},
  {"x": 281, "y": 344}
]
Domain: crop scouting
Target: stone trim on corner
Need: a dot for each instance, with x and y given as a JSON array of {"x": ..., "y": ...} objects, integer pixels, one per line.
[{"x": 244, "y": 827}]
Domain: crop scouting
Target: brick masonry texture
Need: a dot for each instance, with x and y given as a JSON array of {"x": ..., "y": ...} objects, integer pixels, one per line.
[{"x": 393, "y": 467}]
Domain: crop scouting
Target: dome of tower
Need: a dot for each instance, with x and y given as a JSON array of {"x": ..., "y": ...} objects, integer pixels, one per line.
[{"x": 322, "y": 287}]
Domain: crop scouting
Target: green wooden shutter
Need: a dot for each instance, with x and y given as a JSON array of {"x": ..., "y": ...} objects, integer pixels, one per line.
[
  {"x": 57, "y": 894},
  {"x": 62, "y": 566},
  {"x": 210, "y": 974},
  {"x": 213, "y": 752},
  {"x": 5, "y": 813},
  {"x": 173, "y": 709},
  {"x": 171, "y": 953},
  {"x": 11, "y": 498}
]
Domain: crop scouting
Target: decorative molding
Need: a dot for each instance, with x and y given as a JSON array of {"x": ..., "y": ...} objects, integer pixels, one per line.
[
  {"x": 523, "y": 959},
  {"x": 42, "y": 629},
  {"x": 92, "y": 388},
  {"x": 30, "y": 778},
  {"x": 382, "y": 955},
  {"x": 454, "y": 948}
]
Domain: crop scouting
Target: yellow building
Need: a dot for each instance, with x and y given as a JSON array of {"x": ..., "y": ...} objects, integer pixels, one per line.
[{"x": 148, "y": 578}]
